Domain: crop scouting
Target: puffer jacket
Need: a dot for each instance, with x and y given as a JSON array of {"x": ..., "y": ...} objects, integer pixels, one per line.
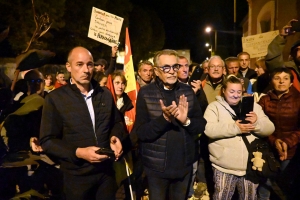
[
  {"x": 152, "y": 129},
  {"x": 285, "y": 114},
  {"x": 227, "y": 149}
]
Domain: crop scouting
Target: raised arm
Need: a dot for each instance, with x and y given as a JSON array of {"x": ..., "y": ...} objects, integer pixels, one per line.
[
  {"x": 274, "y": 57},
  {"x": 113, "y": 60}
]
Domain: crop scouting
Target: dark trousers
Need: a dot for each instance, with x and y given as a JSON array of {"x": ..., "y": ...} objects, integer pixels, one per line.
[
  {"x": 90, "y": 187},
  {"x": 161, "y": 188}
]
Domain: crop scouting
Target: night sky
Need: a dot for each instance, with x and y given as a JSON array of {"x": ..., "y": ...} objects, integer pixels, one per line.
[{"x": 186, "y": 20}]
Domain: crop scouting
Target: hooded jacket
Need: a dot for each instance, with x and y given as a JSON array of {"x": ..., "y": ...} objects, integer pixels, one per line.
[{"x": 228, "y": 152}]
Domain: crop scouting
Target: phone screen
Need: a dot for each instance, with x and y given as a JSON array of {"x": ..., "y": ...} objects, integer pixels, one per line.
[
  {"x": 196, "y": 75},
  {"x": 246, "y": 107},
  {"x": 295, "y": 26},
  {"x": 288, "y": 30}
]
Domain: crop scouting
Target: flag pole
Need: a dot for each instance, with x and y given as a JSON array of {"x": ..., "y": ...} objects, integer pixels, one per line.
[{"x": 128, "y": 176}]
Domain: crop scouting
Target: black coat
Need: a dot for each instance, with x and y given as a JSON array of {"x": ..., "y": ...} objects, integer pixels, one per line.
[
  {"x": 66, "y": 125},
  {"x": 153, "y": 130},
  {"x": 250, "y": 74}
]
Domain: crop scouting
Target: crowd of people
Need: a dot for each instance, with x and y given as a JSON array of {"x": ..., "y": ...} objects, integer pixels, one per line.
[{"x": 178, "y": 132}]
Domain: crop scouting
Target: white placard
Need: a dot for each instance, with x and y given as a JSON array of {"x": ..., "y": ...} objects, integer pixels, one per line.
[
  {"x": 105, "y": 27},
  {"x": 257, "y": 45}
]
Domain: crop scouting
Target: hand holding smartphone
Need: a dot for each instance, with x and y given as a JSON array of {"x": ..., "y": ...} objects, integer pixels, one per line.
[
  {"x": 246, "y": 108},
  {"x": 196, "y": 75},
  {"x": 295, "y": 27},
  {"x": 104, "y": 151}
]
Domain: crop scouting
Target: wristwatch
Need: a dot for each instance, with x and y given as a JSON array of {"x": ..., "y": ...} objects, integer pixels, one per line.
[{"x": 187, "y": 122}]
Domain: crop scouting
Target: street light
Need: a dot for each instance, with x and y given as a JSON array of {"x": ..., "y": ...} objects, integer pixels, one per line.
[
  {"x": 208, "y": 45},
  {"x": 208, "y": 30}
]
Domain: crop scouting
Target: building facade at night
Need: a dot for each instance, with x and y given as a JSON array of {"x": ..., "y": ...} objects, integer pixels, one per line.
[{"x": 270, "y": 15}]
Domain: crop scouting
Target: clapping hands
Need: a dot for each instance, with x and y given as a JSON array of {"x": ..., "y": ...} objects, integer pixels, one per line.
[{"x": 178, "y": 112}]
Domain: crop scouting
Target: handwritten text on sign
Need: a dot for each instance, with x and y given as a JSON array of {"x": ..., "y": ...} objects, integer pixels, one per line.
[
  {"x": 257, "y": 45},
  {"x": 105, "y": 27}
]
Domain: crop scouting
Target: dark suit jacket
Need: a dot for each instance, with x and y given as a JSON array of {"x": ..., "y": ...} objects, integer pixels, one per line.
[
  {"x": 66, "y": 125},
  {"x": 250, "y": 74}
]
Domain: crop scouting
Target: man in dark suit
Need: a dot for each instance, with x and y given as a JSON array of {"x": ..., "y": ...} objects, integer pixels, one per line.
[
  {"x": 245, "y": 69},
  {"x": 77, "y": 119}
]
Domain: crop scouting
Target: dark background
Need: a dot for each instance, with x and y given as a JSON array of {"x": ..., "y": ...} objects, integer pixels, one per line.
[
  {"x": 153, "y": 25},
  {"x": 185, "y": 22}
]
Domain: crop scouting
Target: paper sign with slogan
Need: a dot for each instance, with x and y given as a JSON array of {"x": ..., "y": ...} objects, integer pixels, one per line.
[
  {"x": 105, "y": 27},
  {"x": 257, "y": 45}
]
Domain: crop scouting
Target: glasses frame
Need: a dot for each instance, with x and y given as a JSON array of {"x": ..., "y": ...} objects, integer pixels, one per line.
[
  {"x": 167, "y": 68},
  {"x": 216, "y": 67}
]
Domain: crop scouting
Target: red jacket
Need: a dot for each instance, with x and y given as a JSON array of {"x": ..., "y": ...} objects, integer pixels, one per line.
[
  {"x": 285, "y": 114},
  {"x": 58, "y": 84}
]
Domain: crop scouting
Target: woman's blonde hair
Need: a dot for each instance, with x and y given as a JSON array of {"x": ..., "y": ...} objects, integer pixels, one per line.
[{"x": 230, "y": 79}]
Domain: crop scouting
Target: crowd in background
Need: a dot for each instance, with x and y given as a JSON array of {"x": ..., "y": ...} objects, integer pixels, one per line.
[{"x": 176, "y": 134}]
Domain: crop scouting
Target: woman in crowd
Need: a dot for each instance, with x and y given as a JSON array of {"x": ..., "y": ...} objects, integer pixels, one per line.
[
  {"x": 260, "y": 86},
  {"x": 48, "y": 78},
  {"x": 228, "y": 152},
  {"x": 282, "y": 106},
  {"x": 123, "y": 102},
  {"x": 116, "y": 83}
]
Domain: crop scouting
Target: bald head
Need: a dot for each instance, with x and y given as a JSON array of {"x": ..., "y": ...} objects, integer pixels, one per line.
[
  {"x": 80, "y": 64},
  {"x": 78, "y": 50}
]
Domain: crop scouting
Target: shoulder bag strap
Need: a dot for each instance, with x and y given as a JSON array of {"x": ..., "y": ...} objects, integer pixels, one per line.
[
  {"x": 246, "y": 141},
  {"x": 234, "y": 117}
]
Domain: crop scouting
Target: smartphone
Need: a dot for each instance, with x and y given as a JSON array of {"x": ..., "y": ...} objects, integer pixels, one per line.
[
  {"x": 196, "y": 75},
  {"x": 104, "y": 151},
  {"x": 295, "y": 27},
  {"x": 246, "y": 107}
]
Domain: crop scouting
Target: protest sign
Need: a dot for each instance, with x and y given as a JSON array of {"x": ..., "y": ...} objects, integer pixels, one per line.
[
  {"x": 105, "y": 27},
  {"x": 257, "y": 45}
]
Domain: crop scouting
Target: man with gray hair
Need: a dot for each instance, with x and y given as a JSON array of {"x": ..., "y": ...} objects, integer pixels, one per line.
[
  {"x": 213, "y": 82},
  {"x": 145, "y": 73},
  {"x": 167, "y": 121}
]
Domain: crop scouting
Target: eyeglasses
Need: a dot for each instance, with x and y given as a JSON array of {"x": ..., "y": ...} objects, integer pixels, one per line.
[
  {"x": 216, "y": 67},
  {"x": 167, "y": 68},
  {"x": 32, "y": 81}
]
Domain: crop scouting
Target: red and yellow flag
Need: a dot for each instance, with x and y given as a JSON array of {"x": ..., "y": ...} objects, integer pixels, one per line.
[{"x": 131, "y": 88}]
